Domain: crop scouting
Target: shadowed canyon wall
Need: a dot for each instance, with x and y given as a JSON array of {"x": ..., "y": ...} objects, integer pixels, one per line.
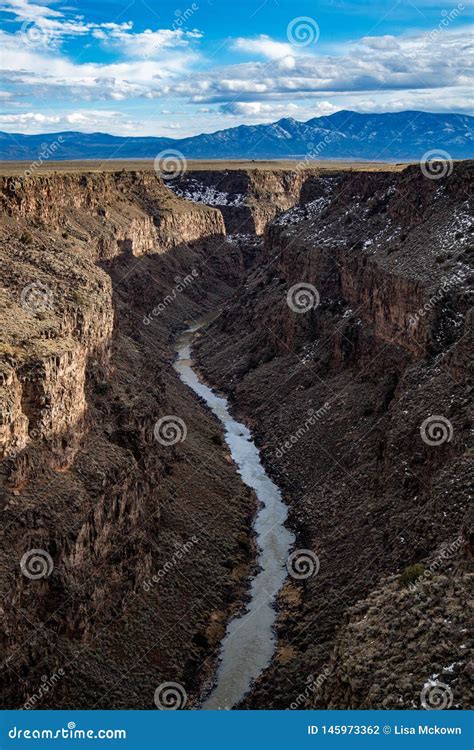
[
  {"x": 349, "y": 352},
  {"x": 99, "y": 273}
]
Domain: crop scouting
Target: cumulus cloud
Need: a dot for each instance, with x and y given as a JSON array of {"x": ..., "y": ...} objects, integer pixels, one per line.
[
  {"x": 49, "y": 74},
  {"x": 24, "y": 10},
  {"x": 86, "y": 120},
  {"x": 259, "y": 109},
  {"x": 380, "y": 42},
  {"x": 372, "y": 64},
  {"x": 264, "y": 112},
  {"x": 263, "y": 46},
  {"x": 146, "y": 44},
  {"x": 431, "y": 71},
  {"x": 42, "y": 25}
]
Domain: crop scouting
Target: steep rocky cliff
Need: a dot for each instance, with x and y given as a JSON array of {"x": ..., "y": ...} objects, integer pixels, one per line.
[
  {"x": 121, "y": 554},
  {"x": 348, "y": 349},
  {"x": 248, "y": 199}
]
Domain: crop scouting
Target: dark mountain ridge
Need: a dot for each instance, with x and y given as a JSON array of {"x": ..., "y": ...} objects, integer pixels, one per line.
[{"x": 343, "y": 135}]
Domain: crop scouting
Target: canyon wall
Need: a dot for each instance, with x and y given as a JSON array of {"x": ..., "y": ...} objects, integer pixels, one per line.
[
  {"x": 122, "y": 555},
  {"x": 64, "y": 305},
  {"x": 248, "y": 199},
  {"x": 348, "y": 351}
]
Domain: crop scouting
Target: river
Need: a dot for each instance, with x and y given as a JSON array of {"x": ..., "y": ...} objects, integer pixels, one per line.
[{"x": 249, "y": 643}]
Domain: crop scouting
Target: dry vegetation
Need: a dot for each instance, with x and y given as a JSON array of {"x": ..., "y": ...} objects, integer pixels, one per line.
[{"x": 134, "y": 165}]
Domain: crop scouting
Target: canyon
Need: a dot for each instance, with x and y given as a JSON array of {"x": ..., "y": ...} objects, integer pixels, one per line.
[{"x": 357, "y": 399}]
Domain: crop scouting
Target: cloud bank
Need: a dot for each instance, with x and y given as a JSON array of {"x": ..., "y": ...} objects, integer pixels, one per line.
[{"x": 41, "y": 82}]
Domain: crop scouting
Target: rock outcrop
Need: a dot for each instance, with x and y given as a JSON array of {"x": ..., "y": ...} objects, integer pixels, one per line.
[
  {"x": 379, "y": 657},
  {"x": 248, "y": 199}
]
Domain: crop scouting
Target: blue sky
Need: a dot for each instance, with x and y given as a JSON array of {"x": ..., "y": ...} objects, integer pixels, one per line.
[{"x": 176, "y": 69}]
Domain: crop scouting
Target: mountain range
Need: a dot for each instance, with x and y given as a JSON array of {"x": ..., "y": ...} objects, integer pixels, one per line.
[{"x": 397, "y": 136}]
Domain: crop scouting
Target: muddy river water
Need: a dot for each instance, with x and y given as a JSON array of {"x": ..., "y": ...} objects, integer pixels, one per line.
[{"x": 249, "y": 643}]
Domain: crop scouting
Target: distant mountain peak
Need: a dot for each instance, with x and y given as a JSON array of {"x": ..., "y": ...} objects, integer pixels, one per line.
[{"x": 390, "y": 136}]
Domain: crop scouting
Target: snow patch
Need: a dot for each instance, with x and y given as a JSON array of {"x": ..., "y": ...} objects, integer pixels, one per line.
[{"x": 208, "y": 194}]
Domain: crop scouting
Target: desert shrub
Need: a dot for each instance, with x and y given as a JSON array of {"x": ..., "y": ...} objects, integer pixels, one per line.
[
  {"x": 102, "y": 388},
  {"x": 26, "y": 238},
  {"x": 411, "y": 574}
]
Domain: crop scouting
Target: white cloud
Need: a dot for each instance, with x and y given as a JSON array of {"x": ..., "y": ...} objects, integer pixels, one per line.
[
  {"x": 45, "y": 29},
  {"x": 263, "y": 46},
  {"x": 147, "y": 44},
  {"x": 249, "y": 112},
  {"x": 24, "y": 10},
  {"x": 429, "y": 71},
  {"x": 49, "y": 74},
  {"x": 439, "y": 100},
  {"x": 380, "y": 42},
  {"x": 43, "y": 26},
  {"x": 259, "y": 109},
  {"x": 87, "y": 120},
  {"x": 28, "y": 118},
  {"x": 372, "y": 64}
]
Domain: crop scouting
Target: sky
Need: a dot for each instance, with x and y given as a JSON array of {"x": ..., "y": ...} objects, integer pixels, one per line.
[{"x": 163, "y": 69}]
